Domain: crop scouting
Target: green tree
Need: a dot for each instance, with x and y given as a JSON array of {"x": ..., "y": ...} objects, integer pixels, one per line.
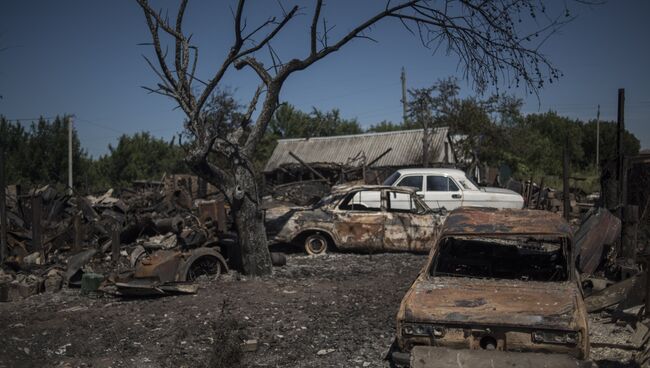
[
  {"x": 385, "y": 126},
  {"x": 140, "y": 156},
  {"x": 39, "y": 155},
  {"x": 607, "y": 141}
]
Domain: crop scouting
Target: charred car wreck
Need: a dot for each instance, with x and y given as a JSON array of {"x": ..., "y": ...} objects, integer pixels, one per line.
[
  {"x": 499, "y": 280},
  {"x": 368, "y": 218}
]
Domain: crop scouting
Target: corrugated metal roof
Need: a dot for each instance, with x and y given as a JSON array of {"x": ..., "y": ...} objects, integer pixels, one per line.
[{"x": 406, "y": 148}]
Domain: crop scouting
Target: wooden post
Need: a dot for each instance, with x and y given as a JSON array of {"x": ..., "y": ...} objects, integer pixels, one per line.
[
  {"x": 303, "y": 163},
  {"x": 379, "y": 157},
  {"x": 3, "y": 208},
  {"x": 539, "y": 194},
  {"x": 647, "y": 289},
  {"x": 530, "y": 192},
  {"x": 565, "y": 179},
  {"x": 37, "y": 209},
  {"x": 629, "y": 232},
  {"x": 115, "y": 240}
]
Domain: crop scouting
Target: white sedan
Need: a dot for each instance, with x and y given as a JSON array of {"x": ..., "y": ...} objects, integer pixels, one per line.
[{"x": 451, "y": 188}]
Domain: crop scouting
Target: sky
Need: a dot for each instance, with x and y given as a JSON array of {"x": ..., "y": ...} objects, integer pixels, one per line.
[{"x": 85, "y": 58}]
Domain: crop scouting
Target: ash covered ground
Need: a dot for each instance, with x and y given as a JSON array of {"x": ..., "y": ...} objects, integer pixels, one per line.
[{"x": 335, "y": 310}]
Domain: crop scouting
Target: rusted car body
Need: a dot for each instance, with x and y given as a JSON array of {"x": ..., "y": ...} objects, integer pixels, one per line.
[
  {"x": 501, "y": 280},
  {"x": 367, "y": 218}
]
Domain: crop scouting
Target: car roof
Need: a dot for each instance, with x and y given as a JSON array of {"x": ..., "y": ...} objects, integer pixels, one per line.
[
  {"x": 492, "y": 221},
  {"x": 344, "y": 188},
  {"x": 426, "y": 171}
]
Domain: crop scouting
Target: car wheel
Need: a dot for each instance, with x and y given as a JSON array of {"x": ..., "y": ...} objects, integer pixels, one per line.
[
  {"x": 316, "y": 244},
  {"x": 205, "y": 265}
]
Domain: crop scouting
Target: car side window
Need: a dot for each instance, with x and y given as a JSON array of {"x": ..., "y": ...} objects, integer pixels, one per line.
[
  {"x": 400, "y": 202},
  {"x": 441, "y": 184},
  {"x": 363, "y": 200},
  {"x": 452, "y": 186},
  {"x": 411, "y": 181}
]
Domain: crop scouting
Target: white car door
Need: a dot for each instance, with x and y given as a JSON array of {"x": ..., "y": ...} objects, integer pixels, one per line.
[{"x": 442, "y": 191}]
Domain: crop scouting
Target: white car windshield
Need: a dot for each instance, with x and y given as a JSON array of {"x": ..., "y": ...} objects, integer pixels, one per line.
[
  {"x": 391, "y": 179},
  {"x": 468, "y": 183}
]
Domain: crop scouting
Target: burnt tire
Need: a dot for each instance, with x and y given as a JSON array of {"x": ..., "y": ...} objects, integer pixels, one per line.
[
  {"x": 205, "y": 265},
  {"x": 316, "y": 244}
]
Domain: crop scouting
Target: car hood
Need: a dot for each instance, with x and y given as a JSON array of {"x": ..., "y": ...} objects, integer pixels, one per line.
[{"x": 457, "y": 300}]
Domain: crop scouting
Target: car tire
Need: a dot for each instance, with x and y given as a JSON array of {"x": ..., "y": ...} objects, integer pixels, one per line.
[{"x": 316, "y": 244}]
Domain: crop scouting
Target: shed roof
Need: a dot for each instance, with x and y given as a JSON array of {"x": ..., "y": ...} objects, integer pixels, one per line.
[{"x": 406, "y": 148}]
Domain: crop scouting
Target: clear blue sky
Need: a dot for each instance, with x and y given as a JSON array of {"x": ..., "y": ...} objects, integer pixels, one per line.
[{"x": 81, "y": 57}]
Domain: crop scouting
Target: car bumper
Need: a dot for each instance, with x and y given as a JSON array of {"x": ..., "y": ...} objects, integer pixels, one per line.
[{"x": 436, "y": 357}]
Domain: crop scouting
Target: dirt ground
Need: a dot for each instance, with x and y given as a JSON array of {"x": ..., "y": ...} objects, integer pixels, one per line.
[{"x": 330, "y": 311}]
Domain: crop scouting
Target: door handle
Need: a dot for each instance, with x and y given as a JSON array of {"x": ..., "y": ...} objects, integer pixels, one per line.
[{"x": 456, "y": 196}]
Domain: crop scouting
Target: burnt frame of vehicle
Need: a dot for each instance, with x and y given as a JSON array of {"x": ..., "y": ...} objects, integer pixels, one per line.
[
  {"x": 475, "y": 331},
  {"x": 346, "y": 224}
]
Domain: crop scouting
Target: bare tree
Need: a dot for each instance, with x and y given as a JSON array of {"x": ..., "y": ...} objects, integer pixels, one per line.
[{"x": 486, "y": 36}]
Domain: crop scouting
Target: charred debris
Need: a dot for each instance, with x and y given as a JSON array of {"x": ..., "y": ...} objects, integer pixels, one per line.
[{"x": 153, "y": 239}]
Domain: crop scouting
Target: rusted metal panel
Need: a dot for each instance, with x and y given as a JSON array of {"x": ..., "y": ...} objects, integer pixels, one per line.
[
  {"x": 617, "y": 293},
  {"x": 600, "y": 228},
  {"x": 459, "y": 300},
  {"x": 406, "y": 148},
  {"x": 474, "y": 220},
  {"x": 435, "y": 357}
]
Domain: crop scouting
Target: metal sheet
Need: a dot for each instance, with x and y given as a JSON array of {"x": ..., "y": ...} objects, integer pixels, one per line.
[
  {"x": 600, "y": 228},
  {"x": 406, "y": 148}
]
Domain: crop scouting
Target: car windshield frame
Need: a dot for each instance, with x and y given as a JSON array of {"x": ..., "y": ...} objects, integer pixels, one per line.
[{"x": 564, "y": 248}]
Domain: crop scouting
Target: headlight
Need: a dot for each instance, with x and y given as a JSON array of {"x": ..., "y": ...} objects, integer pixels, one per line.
[
  {"x": 423, "y": 330},
  {"x": 556, "y": 337}
]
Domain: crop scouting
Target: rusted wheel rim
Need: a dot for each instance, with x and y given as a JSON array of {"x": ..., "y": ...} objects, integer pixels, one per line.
[
  {"x": 316, "y": 245},
  {"x": 203, "y": 266}
]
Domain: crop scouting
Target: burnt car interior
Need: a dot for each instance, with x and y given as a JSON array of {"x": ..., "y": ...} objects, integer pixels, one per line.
[{"x": 513, "y": 258}]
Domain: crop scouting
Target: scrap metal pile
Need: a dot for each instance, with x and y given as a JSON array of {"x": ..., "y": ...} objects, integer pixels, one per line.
[{"x": 145, "y": 241}]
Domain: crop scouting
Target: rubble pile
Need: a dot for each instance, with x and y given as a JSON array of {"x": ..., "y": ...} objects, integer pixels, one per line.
[{"x": 55, "y": 237}]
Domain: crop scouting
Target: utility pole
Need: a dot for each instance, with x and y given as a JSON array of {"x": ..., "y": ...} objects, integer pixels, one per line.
[
  {"x": 598, "y": 140},
  {"x": 3, "y": 208},
  {"x": 70, "y": 155},
  {"x": 565, "y": 179},
  {"x": 619, "y": 146},
  {"x": 404, "y": 101}
]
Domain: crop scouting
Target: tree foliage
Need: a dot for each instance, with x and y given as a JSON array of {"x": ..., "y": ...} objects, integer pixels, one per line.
[
  {"x": 38, "y": 155},
  {"x": 139, "y": 157}
]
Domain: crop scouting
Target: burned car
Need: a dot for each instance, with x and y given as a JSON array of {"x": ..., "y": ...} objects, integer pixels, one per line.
[
  {"x": 368, "y": 218},
  {"x": 499, "y": 287}
]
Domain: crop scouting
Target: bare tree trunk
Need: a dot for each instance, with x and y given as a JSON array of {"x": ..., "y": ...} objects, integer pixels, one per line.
[
  {"x": 249, "y": 219},
  {"x": 425, "y": 147}
]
